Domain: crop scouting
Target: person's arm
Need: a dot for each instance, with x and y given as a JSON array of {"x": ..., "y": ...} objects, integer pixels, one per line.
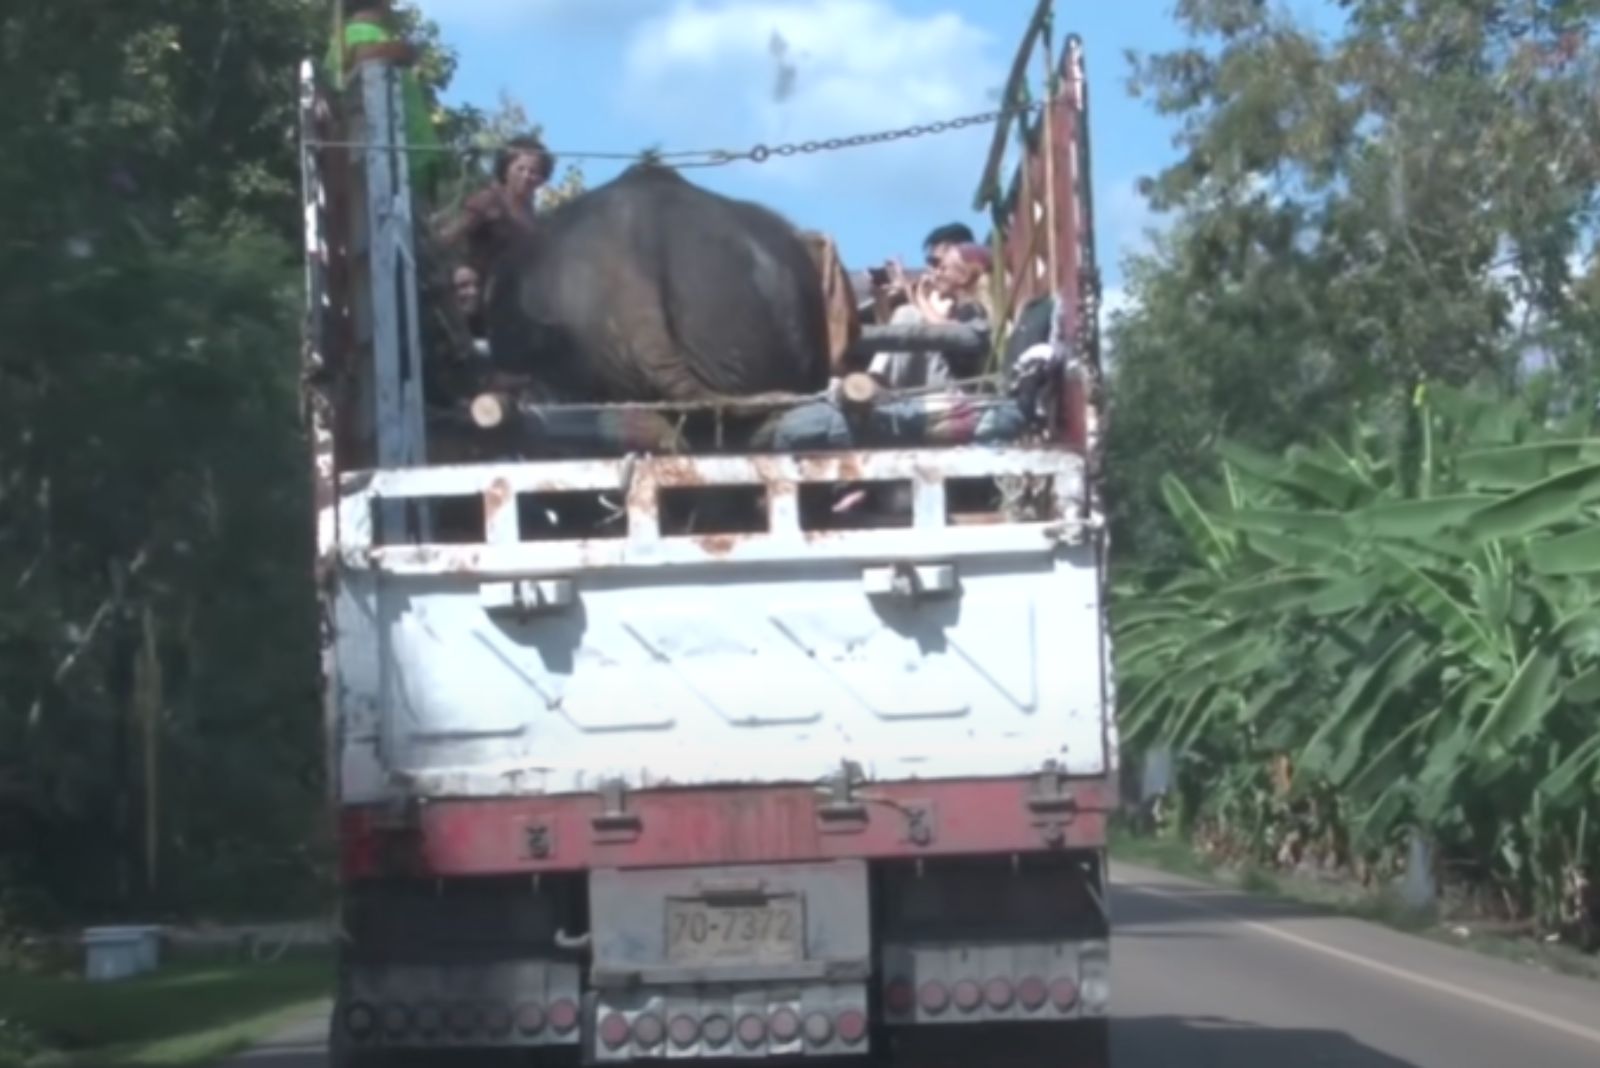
[{"x": 479, "y": 209}]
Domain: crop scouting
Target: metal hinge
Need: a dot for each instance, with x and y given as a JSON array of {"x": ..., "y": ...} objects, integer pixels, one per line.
[{"x": 615, "y": 823}]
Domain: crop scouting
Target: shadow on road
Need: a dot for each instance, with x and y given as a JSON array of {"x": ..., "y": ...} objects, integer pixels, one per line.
[
  {"x": 1140, "y": 905},
  {"x": 1212, "y": 1042}
]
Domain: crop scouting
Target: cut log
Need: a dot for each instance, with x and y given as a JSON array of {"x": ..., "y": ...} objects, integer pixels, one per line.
[
  {"x": 490, "y": 411},
  {"x": 858, "y": 394}
]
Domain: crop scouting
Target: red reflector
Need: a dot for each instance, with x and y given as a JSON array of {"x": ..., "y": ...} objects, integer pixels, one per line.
[
  {"x": 563, "y": 1016},
  {"x": 1064, "y": 992},
  {"x": 752, "y": 1030},
  {"x": 614, "y": 1031},
  {"x": 685, "y": 1031},
  {"x": 934, "y": 997},
  {"x": 852, "y": 1026},
  {"x": 785, "y": 1026},
  {"x": 649, "y": 1030},
  {"x": 1032, "y": 993},
  {"x": 819, "y": 1029},
  {"x": 999, "y": 993},
  {"x": 530, "y": 1018},
  {"x": 899, "y": 997},
  {"x": 969, "y": 995},
  {"x": 718, "y": 1030}
]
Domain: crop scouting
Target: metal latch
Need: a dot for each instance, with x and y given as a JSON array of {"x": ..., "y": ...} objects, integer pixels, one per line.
[
  {"x": 615, "y": 824},
  {"x": 524, "y": 597},
  {"x": 909, "y": 580},
  {"x": 1053, "y": 804}
]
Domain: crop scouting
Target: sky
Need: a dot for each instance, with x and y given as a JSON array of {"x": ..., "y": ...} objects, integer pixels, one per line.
[{"x": 625, "y": 75}]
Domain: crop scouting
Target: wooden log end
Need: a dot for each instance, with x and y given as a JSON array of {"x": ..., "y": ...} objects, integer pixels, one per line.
[
  {"x": 859, "y": 390},
  {"x": 489, "y": 411}
]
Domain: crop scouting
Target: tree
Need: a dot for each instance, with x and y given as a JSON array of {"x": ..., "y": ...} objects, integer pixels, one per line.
[{"x": 1402, "y": 202}]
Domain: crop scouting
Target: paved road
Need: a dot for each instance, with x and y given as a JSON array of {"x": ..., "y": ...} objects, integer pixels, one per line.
[
  {"x": 1207, "y": 978},
  {"x": 1204, "y": 977}
]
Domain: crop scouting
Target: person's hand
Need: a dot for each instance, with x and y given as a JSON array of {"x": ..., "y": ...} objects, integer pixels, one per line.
[
  {"x": 898, "y": 284},
  {"x": 934, "y": 305}
]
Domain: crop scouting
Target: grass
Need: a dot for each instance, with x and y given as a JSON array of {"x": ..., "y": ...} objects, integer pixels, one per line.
[
  {"x": 1178, "y": 858},
  {"x": 182, "y": 1016}
]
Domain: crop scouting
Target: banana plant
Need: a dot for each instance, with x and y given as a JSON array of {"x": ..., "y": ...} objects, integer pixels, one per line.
[{"x": 1411, "y": 619}]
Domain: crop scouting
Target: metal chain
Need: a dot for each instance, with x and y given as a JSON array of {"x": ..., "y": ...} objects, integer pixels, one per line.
[{"x": 761, "y": 153}]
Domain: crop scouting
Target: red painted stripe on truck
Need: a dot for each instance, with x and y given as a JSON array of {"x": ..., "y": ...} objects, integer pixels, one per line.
[{"x": 752, "y": 825}]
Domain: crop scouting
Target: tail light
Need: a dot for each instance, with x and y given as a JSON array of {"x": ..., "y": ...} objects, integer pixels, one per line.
[
  {"x": 852, "y": 1027},
  {"x": 360, "y": 1019},
  {"x": 934, "y": 997},
  {"x": 649, "y": 1030},
  {"x": 819, "y": 1029},
  {"x": 784, "y": 1025},
  {"x": 1033, "y": 993},
  {"x": 430, "y": 1019},
  {"x": 396, "y": 1020},
  {"x": 563, "y": 1016},
  {"x": 752, "y": 1030},
  {"x": 530, "y": 1018},
  {"x": 969, "y": 995},
  {"x": 900, "y": 997},
  {"x": 718, "y": 1030},
  {"x": 999, "y": 993},
  {"x": 1064, "y": 994},
  {"x": 614, "y": 1031},
  {"x": 685, "y": 1031},
  {"x": 463, "y": 1019}
]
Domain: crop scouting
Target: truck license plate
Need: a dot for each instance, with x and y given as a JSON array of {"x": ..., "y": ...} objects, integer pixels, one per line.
[{"x": 768, "y": 932}]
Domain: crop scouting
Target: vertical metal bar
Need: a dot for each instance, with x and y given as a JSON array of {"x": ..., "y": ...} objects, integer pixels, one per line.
[
  {"x": 396, "y": 334},
  {"x": 1052, "y": 93}
]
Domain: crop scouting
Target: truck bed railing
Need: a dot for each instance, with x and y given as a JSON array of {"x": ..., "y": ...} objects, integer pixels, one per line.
[{"x": 557, "y": 517}]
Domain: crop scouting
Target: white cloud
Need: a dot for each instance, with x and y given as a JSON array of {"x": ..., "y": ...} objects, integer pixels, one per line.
[
  {"x": 716, "y": 73},
  {"x": 512, "y": 14}
]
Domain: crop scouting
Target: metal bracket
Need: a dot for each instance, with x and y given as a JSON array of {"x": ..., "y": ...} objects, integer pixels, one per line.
[
  {"x": 909, "y": 580},
  {"x": 525, "y": 597},
  {"x": 541, "y": 841},
  {"x": 922, "y": 825},
  {"x": 615, "y": 824},
  {"x": 1053, "y": 804},
  {"x": 839, "y": 811}
]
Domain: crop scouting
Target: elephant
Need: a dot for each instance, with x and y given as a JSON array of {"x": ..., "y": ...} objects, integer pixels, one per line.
[{"x": 652, "y": 288}]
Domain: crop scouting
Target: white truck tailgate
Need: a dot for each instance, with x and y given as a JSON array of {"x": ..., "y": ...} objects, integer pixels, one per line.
[{"x": 505, "y": 666}]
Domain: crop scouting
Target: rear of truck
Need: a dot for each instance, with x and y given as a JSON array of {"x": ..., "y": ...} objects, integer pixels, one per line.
[{"x": 721, "y": 771}]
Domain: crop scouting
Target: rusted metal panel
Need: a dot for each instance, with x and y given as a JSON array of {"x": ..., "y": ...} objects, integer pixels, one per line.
[
  {"x": 635, "y": 486},
  {"x": 778, "y": 824}
]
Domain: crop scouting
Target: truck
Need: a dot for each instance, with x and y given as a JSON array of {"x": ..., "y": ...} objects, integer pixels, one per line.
[{"x": 787, "y": 791}]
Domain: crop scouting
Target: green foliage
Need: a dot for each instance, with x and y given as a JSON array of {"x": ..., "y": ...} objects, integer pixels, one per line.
[
  {"x": 1410, "y": 198},
  {"x": 185, "y": 1015},
  {"x": 1417, "y": 659}
]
